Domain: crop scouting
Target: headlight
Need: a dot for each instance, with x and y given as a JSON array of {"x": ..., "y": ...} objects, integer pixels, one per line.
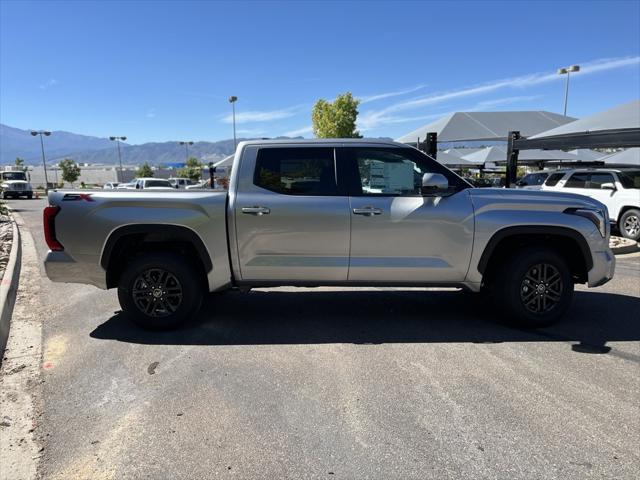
[
  {"x": 598, "y": 217},
  {"x": 4, "y": 185}
]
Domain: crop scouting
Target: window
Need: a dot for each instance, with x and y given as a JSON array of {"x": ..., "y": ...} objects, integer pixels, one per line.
[
  {"x": 296, "y": 171},
  {"x": 630, "y": 178},
  {"x": 533, "y": 179},
  {"x": 597, "y": 179},
  {"x": 157, "y": 183},
  {"x": 395, "y": 172},
  {"x": 577, "y": 180},
  {"x": 553, "y": 179}
]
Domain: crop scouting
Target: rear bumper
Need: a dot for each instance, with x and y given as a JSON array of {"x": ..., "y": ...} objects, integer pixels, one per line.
[
  {"x": 604, "y": 266},
  {"x": 61, "y": 267}
]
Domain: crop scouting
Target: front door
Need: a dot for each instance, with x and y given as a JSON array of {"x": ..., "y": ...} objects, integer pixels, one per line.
[
  {"x": 397, "y": 235},
  {"x": 291, "y": 222}
]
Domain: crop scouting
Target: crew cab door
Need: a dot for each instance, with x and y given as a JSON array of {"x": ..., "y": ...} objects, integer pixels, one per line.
[
  {"x": 590, "y": 184},
  {"x": 291, "y": 221},
  {"x": 397, "y": 235}
]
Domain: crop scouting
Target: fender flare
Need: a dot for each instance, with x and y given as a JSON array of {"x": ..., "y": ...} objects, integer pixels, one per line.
[
  {"x": 171, "y": 232},
  {"x": 545, "y": 230}
]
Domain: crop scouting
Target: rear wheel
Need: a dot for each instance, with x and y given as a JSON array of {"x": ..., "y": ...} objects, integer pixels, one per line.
[
  {"x": 160, "y": 291},
  {"x": 629, "y": 224},
  {"x": 534, "y": 289}
]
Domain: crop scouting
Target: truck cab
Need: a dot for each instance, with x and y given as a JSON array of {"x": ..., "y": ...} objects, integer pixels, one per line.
[{"x": 14, "y": 184}]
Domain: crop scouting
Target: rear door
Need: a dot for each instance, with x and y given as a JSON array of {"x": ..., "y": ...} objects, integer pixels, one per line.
[
  {"x": 397, "y": 235},
  {"x": 590, "y": 185},
  {"x": 292, "y": 222}
]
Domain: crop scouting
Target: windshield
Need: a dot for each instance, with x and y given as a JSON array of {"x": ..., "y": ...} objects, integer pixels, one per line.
[
  {"x": 533, "y": 179},
  {"x": 157, "y": 183},
  {"x": 14, "y": 176},
  {"x": 630, "y": 178}
]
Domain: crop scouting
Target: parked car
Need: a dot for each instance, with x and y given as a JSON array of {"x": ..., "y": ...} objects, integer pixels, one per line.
[
  {"x": 533, "y": 181},
  {"x": 618, "y": 189},
  {"x": 126, "y": 186},
  {"x": 180, "y": 182},
  {"x": 14, "y": 184},
  {"x": 297, "y": 213},
  {"x": 152, "y": 184},
  {"x": 110, "y": 185},
  {"x": 198, "y": 185}
]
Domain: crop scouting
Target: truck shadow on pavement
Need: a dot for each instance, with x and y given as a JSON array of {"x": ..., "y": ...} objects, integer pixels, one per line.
[{"x": 375, "y": 317}]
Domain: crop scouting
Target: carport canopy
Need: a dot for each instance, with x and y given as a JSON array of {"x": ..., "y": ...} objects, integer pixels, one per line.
[
  {"x": 494, "y": 126},
  {"x": 629, "y": 157}
]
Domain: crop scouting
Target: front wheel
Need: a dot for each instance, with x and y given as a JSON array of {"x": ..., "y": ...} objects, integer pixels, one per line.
[
  {"x": 535, "y": 288},
  {"x": 630, "y": 224},
  {"x": 160, "y": 291}
]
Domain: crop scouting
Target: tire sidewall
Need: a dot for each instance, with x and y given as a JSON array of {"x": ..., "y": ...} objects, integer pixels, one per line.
[
  {"x": 623, "y": 218},
  {"x": 183, "y": 271},
  {"x": 511, "y": 283}
]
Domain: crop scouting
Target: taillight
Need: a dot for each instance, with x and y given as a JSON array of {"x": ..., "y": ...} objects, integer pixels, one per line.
[{"x": 49, "y": 216}]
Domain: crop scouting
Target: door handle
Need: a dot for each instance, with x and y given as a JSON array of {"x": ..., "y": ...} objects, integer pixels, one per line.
[
  {"x": 256, "y": 210},
  {"x": 367, "y": 211}
]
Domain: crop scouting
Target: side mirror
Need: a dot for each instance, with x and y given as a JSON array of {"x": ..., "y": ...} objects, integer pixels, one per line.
[
  {"x": 608, "y": 186},
  {"x": 434, "y": 185}
]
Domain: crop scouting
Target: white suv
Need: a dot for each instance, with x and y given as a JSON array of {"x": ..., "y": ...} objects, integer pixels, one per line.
[{"x": 618, "y": 189}]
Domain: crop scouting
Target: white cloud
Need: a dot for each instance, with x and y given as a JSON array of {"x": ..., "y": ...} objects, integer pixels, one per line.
[
  {"x": 49, "y": 83},
  {"x": 151, "y": 113},
  {"x": 376, "y": 118},
  {"x": 298, "y": 132},
  {"x": 372, "y": 98},
  {"x": 264, "y": 116},
  {"x": 489, "y": 104}
]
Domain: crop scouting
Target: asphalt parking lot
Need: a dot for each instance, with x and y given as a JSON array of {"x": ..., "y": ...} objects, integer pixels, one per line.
[{"x": 336, "y": 383}]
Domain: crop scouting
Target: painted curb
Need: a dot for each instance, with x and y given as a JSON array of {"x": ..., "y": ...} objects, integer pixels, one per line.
[{"x": 9, "y": 286}]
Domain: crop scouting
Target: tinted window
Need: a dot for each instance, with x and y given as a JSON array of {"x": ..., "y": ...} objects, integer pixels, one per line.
[
  {"x": 394, "y": 171},
  {"x": 157, "y": 183},
  {"x": 597, "y": 179},
  {"x": 533, "y": 179},
  {"x": 553, "y": 179},
  {"x": 577, "y": 180},
  {"x": 296, "y": 171},
  {"x": 630, "y": 178}
]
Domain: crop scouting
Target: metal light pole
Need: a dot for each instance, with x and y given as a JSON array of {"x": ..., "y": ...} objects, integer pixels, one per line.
[
  {"x": 117, "y": 140},
  {"x": 567, "y": 71},
  {"x": 186, "y": 149},
  {"x": 44, "y": 163},
  {"x": 232, "y": 101}
]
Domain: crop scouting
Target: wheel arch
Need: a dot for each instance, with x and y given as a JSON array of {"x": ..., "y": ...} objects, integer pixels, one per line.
[
  {"x": 128, "y": 241},
  {"x": 570, "y": 243}
]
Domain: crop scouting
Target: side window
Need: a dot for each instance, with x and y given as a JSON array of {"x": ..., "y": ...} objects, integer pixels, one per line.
[
  {"x": 389, "y": 172},
  {"x": 577, "y": 180},
  {"x": 296, "y": 171},
  {"x": 597, "y": 179},
  {"x": 553, "y": 179}
]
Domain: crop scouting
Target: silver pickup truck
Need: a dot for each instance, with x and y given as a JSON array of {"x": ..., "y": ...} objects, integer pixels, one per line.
[{"x": 329, "y": 212}]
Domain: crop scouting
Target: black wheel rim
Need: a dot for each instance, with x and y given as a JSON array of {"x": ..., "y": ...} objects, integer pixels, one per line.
[
  {"x": 541, "y": 288},
  {"x": 157, "y": 292},
  {"x": 632, "y": 225}
]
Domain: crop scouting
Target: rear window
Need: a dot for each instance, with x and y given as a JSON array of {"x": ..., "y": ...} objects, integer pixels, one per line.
[
  {"x": 553, "y": 179},
  {"x": 157, "y": 183},
  {"x": 296, "y": 171},
  {"x": 577, "y": 180}
]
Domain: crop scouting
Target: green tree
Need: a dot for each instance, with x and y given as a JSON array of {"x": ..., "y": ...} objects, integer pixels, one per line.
[
  {"x": 144, "y": 170},
  {"x": 192, "y": 169},
  {"x": 70, "y": 170},
  {"x": 20, "y": 163},
  {"x": 337, "y": 119}
]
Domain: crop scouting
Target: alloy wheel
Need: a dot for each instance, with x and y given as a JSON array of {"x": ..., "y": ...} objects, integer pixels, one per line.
[
  {"x": 632, "y": 225},
  {"x": 541, "y": 288},
  {"x": 157, "y": 292}
]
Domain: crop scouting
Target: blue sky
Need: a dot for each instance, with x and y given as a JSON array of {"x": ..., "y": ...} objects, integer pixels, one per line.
[{"x": 158, "y": 71}]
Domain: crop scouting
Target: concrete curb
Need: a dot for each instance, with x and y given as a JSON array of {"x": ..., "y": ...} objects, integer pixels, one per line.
[
  {"x": 9, "y": 287},
  {"x": 626, "y": 249}
]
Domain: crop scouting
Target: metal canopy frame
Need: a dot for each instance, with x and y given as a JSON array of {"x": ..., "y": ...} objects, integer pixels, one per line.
[{"x": 614, "y": 138}]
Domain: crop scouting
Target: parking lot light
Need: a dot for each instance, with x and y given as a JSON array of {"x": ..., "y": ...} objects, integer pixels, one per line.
[{"x": 44, "y": 163}]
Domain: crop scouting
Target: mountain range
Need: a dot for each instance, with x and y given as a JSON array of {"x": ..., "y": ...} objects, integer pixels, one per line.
[{"x": 15, "y": 142}]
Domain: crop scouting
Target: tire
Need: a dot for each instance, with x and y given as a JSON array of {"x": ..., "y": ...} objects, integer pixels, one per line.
[
  {"x": 629, "y": 224},
  {"x": 534, "y": 288},
  {"x": 29, "y": 196},
  {"x": 159, "y": 291}
]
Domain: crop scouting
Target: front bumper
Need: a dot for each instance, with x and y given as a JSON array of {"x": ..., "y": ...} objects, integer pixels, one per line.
[
  {"x": 61, "y": 267},
  {"x": 604, "y": 266}
]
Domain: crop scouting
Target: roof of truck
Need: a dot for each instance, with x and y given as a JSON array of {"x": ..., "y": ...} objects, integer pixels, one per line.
[{"x": 302, "y": 141}]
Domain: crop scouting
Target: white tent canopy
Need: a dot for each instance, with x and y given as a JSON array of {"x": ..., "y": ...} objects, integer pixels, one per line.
[
  {"x": 494, "y": 126},
  {"x": 499, "y": 154},
  {"x": 451, "y": 160},
  {"x": 630, "y": 156},
  {"x": 225, "y": 162},
  {"x": 621, "y": 117}
]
